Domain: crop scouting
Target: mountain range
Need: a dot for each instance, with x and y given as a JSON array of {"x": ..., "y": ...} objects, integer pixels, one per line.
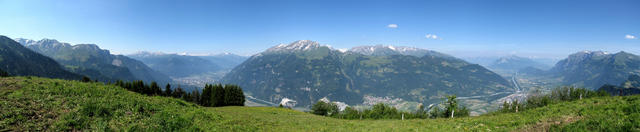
[
  {"x": 18, "y": 60},
  {"x": 96, "y": 63},
  {"x": 592, "y": 69},
  {"x": 306, "y": 72}
]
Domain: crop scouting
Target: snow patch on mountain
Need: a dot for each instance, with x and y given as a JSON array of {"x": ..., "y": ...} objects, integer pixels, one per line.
[
  {"x": 386, "y": 50},
  {"x": 300, "y": 45},
  {"x": 583, "y": 55}
]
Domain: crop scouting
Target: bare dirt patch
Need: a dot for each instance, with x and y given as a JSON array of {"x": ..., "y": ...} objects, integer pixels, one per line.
[
  {"x": 9, "y": 84},
  {"x": 543, "y": 126}
]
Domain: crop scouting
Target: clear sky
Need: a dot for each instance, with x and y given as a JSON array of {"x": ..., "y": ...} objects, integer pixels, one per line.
[{"x": 552, "y": 28}]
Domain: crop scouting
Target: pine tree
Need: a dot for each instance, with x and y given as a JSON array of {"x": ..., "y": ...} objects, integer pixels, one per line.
[
  {"x": 178, "y": 93},
  {"x": 506, "y": 107},
  {"x": 187, "y": 97},
  {"x": 3, "y": 73},
  {"x": 195, "y": 96},
  {"x": 155, "y": 89},
  {"x": 167, "y": 90},
  {"x": 238, "y": 96},
  {"x": 217, "y": 95},
  {"x": 233, "y": 96},
  {"x": 206, "y": 95}
]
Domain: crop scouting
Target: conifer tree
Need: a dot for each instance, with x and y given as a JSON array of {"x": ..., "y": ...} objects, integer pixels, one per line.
[
  {"x": 187, "y": 97},
  {"x": 206, "y": 95},
  {"x": 195, "y": 96},
  {"x": 217, "y": 95},
  {"x": 233, "y": 95},
  {"x": 178, "y": 93},
  {"x": 155, "y": 89},
  {"x": 3, "y": 73},
  {"x": 167, "y": 90}
]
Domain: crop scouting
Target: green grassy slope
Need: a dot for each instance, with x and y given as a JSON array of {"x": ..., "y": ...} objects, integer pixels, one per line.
[{"x": 49, "y": 104}]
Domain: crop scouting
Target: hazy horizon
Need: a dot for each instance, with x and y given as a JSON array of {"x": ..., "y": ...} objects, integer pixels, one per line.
[
  {"x": 543, "y": 29},
  {"x": 495, "y": 55}
]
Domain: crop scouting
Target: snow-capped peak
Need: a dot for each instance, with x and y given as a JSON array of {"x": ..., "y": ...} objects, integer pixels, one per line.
[
  {"x": 300, "y": 45},
  {"x": 43, "y": 42},
  {"x": 387, "y": 50},
  {"x": 584, "y": 55},
  {"x": 24, "y": 41}
]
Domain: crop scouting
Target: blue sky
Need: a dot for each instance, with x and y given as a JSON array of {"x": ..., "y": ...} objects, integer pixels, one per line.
[{"x": 552, "y": 28}]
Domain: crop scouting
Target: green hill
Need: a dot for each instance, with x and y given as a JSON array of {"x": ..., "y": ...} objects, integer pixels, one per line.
[{"x": 40, "y": 104}]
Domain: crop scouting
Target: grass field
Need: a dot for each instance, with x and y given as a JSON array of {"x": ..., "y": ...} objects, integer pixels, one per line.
[{"x": 40, "y": 104}]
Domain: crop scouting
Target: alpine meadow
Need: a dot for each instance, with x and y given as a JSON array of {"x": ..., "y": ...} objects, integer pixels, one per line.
[{"x": 331, "y": 65}]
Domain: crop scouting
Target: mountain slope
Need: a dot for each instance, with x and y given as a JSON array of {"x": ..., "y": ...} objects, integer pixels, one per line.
[
  {"x": 305, "y": 72},
  {"x": 90, "y": 60},
  {"x": 58, "y": 105},
  {"x": 593, "y": 69},
  {"x": 629, "y": 87},
  {"x": 17, "y": 60}
]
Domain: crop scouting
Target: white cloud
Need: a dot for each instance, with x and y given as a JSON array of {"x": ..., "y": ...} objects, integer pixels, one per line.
[
  {"x": 392, "y": 26},
  {"x": 629, "y": 36},
  {"x": 432, "y": 36}
]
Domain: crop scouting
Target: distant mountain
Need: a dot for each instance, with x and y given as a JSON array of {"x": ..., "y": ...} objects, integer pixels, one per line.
[
  {"x": 226, "y": 61},
  {"x": 305, "y": 71},
  {"x": 176, "y": 65},
  {"x": 512, "y": 64},
  {"x": 381, "y": 50},
  {"x": 593, "y": 69},
  {"x": 191, "y": 70},
  {"x": 18, "y": 60},
  {"x": 90, "y": 60}
]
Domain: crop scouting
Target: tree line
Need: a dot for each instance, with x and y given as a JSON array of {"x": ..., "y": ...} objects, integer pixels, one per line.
[
  {"x": 557, "y": 95},
  {"x": 383, "y": 111},
  {"x": 3, "y": 73},
  {"x": 213, "y": 95}
]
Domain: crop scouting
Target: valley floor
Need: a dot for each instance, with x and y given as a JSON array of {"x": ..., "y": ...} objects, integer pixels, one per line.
[{"x": 37, "y": 104}]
